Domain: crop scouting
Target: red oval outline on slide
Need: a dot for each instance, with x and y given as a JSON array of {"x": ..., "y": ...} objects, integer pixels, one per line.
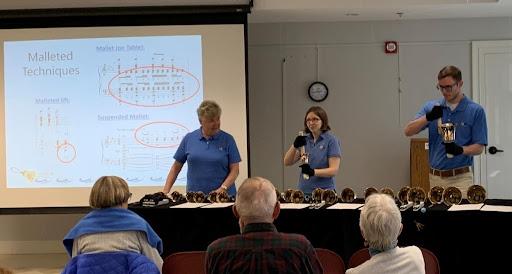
[
  {"x": 153, "y": 67},
  {"x": 158, "y": 122}
]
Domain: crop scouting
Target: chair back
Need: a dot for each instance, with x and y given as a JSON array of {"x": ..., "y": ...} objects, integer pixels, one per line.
[
  {"x": 190, "y": 262},
  {"x": 112, "y": 263},
  {"x": 331, "y": 262},
  {"x": 359, "y": 257},
  {"x": 431, "y": 262},
  {"x": 430, "y": 259}
]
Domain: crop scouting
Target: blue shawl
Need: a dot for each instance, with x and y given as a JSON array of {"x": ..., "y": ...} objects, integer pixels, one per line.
[{"x": 110, "y": 220}]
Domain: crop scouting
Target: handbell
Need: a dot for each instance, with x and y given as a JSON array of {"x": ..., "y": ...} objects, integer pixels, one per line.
[
  {"x": 435, "y": 195},
  {"x": 347, "y": 195},
  {"x": 199, "y": 197},
  {"x": 388, "y": 191},
  {"x": 288, "y": 195},
  {"x": 369, "y": 191},
  {"x": 329, "y": 196},
  {"x": 304, "y": 155},
  {"x": 476, "y": 194},
  {"x": 416, "y": 196},
  {"x": 279, "y": 196},
  {"x": 316, "y": 196},
  {"x": 177, "y": 197},
  {"x": 190, "y": 196},
  {"x": 452, "y": 196},
  {"x": 297, "y": 197},
  {"x": 447, "y": 132},
  {"x": 402, "y": 197},
  {"x": 223, "y": 197},
  {"x": 212, "y": 197}
]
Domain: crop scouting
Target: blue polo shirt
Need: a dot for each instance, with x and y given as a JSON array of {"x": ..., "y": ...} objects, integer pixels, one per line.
[
  {"x": 208, "y": 160},
  {"x": 325, "y": 147},
  {"x": 470, "y": 128}
]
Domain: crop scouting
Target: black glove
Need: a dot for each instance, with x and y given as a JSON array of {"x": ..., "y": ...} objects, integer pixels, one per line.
[
  {"x": 453, "y": 149},
  {"x": 300, "y": 141},
  {"x": 306, "y": 169},
  {"x": 435, "y": 113}
]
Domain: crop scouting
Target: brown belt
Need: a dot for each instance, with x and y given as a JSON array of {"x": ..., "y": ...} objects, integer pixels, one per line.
[{"x": 449, "y": 172}]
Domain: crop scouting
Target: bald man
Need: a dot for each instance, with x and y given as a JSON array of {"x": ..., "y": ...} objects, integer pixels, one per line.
[{"x": 260, "y": 248}]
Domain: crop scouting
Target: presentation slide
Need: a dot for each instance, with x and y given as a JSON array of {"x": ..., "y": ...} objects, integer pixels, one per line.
[
  {"x": 82, "y": 108},
  {"x": 86, "y": 102}
]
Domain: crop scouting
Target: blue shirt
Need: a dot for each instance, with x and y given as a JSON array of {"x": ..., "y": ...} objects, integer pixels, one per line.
[
  {"x": 208, "y": 160},
  {"x": 326, "y": 146},
  {"x": 470, "y": 128}
]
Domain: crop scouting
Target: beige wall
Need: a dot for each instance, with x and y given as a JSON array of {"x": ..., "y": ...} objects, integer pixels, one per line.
[{"x": 372, "y": 95}]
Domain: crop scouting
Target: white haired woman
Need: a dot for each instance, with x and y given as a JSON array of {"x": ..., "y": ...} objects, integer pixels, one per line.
[{"x": 381, "y": 223}]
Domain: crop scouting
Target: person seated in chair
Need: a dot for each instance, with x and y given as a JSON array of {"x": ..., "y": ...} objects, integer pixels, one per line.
[
  {"x": 381, "y": 223},
  {"x": 111, "y": 227},
  {"x": 260, "y": 248}
]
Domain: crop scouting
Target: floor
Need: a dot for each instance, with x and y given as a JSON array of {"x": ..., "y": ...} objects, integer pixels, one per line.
[{"x": 34, "y": 263}]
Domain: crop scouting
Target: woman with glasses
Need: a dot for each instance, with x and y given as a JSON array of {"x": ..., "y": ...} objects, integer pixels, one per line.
[
  {"x": 111, "y": 227},
  {"x": 318, "y": 150},
  {"x": 451, "y": 162}
]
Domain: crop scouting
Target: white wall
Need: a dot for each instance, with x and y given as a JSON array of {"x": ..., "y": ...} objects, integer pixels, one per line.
[
  {"x": 35, "y": 233},
  {"x": 372, "y": 96}
]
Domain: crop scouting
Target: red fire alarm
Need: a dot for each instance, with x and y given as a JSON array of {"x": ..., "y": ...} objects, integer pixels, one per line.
[{"x": 391, "y": 47}]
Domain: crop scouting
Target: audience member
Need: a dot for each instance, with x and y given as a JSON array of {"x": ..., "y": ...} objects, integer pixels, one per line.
[
  {"x": 381, "y": 223},
  {"x": 111, "y": 227},
  {"x": 260, "y": 248}
]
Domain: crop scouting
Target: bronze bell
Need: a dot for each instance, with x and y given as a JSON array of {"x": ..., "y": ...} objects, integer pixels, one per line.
[
  {"x": 347, "y": 195},
  {"x": 452, "y": 196},
  {"x": 435, "y": 195},
  {"x": 329, "y": 196},
  {"x": 476, "y": 194},
  {"x": 298, "y": 197},
  {"x": 316, "y": 196},
  {"x": 199, "y": 197}
]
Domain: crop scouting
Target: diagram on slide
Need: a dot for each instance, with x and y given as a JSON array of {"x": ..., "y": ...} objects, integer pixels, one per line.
[
  {"x": 77, "y": 109},
  {"x": 155, "y": 82}
]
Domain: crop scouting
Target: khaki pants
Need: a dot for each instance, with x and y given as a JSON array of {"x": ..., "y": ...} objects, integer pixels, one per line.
[{"x": 461, "y": 181}]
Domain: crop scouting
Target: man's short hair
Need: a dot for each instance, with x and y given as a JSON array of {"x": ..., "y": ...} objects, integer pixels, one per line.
[
  {"x": 256, "y": 199},
  {"x": 450, "y": 71}
]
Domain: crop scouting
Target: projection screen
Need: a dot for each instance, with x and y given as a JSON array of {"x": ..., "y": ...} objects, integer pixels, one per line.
[{"x": 79, "y": 103}]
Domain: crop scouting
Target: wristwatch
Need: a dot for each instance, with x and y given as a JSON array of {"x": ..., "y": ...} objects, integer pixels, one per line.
[{"x": 224, "y": 187}]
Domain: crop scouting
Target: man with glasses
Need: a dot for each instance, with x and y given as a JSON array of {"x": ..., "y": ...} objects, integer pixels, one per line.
[{"x": 470, "y": 132}]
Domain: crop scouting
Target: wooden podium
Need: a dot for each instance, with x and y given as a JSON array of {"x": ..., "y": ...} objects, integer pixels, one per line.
[{"x": 419, "y": 163}]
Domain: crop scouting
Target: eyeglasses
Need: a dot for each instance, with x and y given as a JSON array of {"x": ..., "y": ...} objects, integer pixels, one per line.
[
  {"x": 314, "y": 120},
  {"x": 447, "y": 88}
]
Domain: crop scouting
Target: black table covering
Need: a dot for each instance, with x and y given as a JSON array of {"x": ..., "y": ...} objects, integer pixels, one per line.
[{"x": 463, "y": 241}]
